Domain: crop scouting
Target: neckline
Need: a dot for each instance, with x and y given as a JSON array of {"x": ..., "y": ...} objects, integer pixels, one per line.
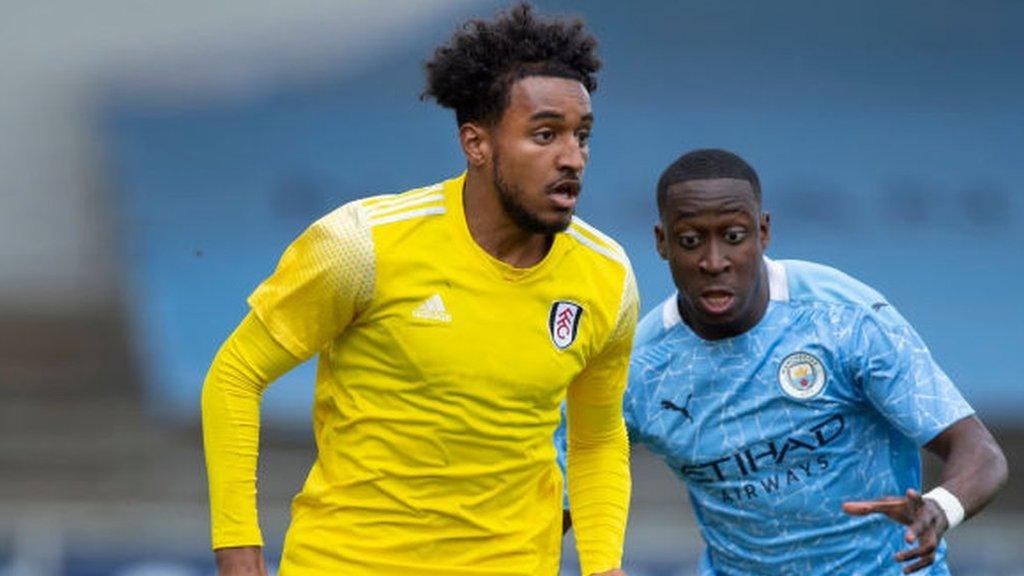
[{"x": 453, "y": 191}]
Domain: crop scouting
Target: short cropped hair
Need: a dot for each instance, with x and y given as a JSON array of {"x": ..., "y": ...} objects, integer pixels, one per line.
[
  {"x": 705, "y": 164},
  {"x": 474, "y": 72}
]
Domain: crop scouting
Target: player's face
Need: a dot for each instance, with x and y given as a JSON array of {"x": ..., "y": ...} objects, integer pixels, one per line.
[
  {"x": 713, "y": 234},
  {"x": 540, "y": 148}
]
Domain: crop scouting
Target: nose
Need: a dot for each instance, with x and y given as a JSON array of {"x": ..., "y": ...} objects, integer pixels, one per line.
[
  {"x": 714, "y": 260},
  {"x": 572, "y": 157}
]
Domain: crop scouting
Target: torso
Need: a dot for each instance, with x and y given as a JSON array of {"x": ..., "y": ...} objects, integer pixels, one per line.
[
  {"x": 771, "y": 431},
  {"x": 435, "y": 408}
]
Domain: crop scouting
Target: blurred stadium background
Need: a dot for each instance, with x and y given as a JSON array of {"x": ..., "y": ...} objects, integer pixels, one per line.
[{"x": 156, "y": 157}]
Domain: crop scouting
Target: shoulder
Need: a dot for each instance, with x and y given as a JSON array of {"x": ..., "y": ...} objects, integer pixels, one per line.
[
  {"x": 653, "y": 349},
  {"x": 367, "y": 213},
  {"x": 602, "y": 263},
  {"x": 656, "y": 323},
  {"x": 813, "y": 281},
  {"x": 597, "y": 246},
  {"x": 810, "y": 283},
  {"x": 658, "y": 340},
  {"x": 412, "y": 206},
  {"x": 411, "y": 218}
]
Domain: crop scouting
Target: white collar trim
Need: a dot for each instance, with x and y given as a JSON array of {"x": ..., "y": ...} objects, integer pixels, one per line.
[
  {"x": 778, "y": 281},
  {"x": 670, "y": 312}
]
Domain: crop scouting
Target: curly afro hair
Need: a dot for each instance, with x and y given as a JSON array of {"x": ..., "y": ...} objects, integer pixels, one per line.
[{"x": 474, "y": 72}]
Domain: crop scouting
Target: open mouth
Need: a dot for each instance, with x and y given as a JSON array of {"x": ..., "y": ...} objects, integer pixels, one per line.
[
  {"x": 716, "y": 302},
  {"x": 564, "y": 193}
]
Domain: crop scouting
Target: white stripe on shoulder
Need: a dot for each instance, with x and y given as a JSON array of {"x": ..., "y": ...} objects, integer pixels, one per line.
[
  {"x": 596, "y": 240},
  {"x": 604, "y": 238},
  {"x": 429, "y": 211},
  {"x": 778, "y": 280},
  {"x": 670, "y": 313},
  {"x": 405, "y": 204},
  {"x": 586, "y": 241},
  {"x": 384, "y": 200}
]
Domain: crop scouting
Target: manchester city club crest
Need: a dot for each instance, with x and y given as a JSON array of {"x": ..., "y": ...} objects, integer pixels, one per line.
[
  {"x": 801, "y": 375},
  {"x": 564, "y": 323}
]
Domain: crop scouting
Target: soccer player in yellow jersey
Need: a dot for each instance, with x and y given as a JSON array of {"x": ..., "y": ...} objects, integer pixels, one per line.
[{"x": 450, "y": 322}]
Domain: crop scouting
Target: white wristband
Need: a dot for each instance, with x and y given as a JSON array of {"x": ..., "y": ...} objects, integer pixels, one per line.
[{"x": 949, "y": 503}]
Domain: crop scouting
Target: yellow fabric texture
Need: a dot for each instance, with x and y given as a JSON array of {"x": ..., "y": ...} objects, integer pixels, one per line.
[
  {"x": 597, "y": 464},
  {"x": 438, "y": 389},
  {"x": 247, "y": 361}
]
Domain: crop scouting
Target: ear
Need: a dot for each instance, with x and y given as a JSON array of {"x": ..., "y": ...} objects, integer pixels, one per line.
[
  {"x": 766, "y": 230},
  {"x": 660, "y": 242},
  {"x": 476, "y": 144}
]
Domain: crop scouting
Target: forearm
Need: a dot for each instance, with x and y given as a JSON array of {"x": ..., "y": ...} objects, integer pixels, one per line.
[
  {"x": 974, "y": 467},
  {"x": 241, "y": 561},
  {"x": 243, "y": 367},
  {"x": 599, "y": 484}
]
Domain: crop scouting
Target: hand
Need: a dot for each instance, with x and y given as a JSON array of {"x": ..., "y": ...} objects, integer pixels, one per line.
[
  {"x": 242, "y": 561},
  {"x": 612, "y": 572},
  {"x": 926, "y": 524}
]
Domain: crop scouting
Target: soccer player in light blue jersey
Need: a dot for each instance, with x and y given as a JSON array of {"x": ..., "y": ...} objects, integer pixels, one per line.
[{"x": 792, "y": 399}]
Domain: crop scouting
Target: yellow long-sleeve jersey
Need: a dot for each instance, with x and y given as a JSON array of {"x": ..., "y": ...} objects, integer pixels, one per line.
[{"x": 439, "y": 381}]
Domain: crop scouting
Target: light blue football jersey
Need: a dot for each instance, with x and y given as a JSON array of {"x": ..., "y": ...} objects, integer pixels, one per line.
[{"x": 826, "y": 400}]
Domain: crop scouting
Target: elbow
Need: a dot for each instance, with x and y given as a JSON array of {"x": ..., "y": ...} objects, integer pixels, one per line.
[
  {"x": 1000, "y": 467},
  {"x": 991, "y": 464}
]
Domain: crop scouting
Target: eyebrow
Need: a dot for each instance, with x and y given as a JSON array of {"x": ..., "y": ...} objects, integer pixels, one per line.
[
  {"x": 552, "y": 115},
  {"x": 730, "y": 209}
]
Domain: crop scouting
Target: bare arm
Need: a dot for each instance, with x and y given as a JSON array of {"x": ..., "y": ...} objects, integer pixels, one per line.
[
  {"x": 241, "y": 561},
  {"x": 974, "y": 469}
]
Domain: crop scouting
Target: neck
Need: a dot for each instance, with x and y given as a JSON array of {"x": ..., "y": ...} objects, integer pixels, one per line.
[{"x": 493, "y": 230}]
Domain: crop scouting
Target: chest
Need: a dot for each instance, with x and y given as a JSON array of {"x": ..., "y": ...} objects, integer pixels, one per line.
[
  {"x": 780, "y": 396},
  {"x": 458, "y": 330}
]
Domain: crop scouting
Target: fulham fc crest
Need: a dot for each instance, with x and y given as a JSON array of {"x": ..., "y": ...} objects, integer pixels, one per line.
[
  {"x": 564, "y": 323},
  {"x": 801, "y": 376}
]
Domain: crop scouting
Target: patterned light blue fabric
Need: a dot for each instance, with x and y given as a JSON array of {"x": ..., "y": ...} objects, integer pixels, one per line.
[
  {"x": 767, "y": 469},
  {"x": 560, "y": 447},
  {"x": 826, "y": 400}
]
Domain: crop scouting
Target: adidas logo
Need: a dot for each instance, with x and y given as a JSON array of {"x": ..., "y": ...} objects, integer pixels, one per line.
[{"x": 432, "y": 309}]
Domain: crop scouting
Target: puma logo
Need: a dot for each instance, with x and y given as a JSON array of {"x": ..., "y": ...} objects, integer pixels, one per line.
[{"x": 684, "y": 409}]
